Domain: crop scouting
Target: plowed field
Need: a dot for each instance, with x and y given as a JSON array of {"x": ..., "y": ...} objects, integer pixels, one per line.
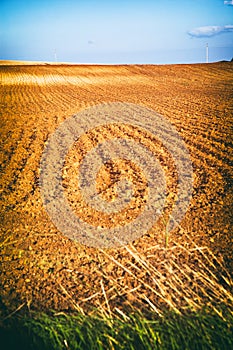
[{"x": 41, "y": 268}]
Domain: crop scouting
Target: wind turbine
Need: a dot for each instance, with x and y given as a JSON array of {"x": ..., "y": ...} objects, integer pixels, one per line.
[
  {"x": 55, "y": 55},
  {"x": 207, "y": 53}
]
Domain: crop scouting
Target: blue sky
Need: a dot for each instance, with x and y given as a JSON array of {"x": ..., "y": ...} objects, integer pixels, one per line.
[{"x": 89, "y": 31}]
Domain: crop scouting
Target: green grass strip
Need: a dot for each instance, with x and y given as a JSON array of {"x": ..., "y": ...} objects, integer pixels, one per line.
[{"x": 194, "y": 330}]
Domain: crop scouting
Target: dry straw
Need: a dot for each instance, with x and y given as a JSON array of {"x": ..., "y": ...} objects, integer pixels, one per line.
[{"x": 179, "y": 277}]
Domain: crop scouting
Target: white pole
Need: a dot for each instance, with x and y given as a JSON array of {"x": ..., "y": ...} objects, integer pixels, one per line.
[
  {"x": 207, "y": 53},
  {"x": 55, "y": 55}
]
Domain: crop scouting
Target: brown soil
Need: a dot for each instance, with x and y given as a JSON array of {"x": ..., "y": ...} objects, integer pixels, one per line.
[{"x": 44, "y": 269}]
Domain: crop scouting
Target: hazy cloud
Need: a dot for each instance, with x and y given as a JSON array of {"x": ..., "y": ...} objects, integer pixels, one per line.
[
  {"x": 228, "y": 2},
  {"x": 208, "y": 31}
]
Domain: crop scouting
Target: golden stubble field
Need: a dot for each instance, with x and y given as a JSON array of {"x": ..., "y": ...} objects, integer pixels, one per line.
[{"x": 41, "y": 268}]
